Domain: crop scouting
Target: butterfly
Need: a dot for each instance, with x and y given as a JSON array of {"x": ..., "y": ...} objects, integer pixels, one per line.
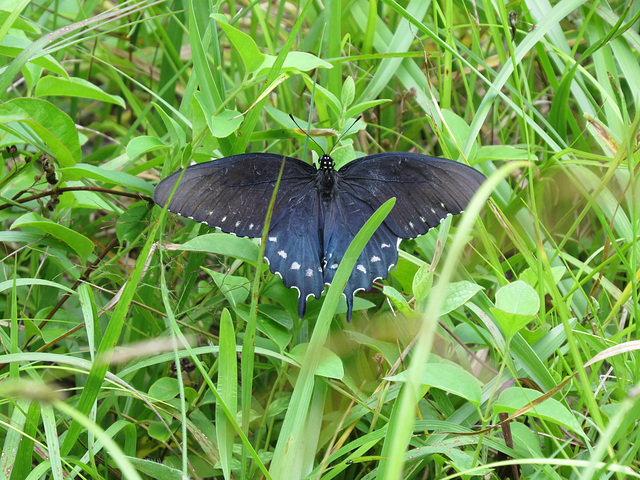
[{"x": 319, "y": 210}]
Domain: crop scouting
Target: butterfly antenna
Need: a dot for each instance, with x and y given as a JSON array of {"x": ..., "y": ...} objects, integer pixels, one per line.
[
  {"x": 344, "y": 133},
  {"x": 306, "y": 132}
]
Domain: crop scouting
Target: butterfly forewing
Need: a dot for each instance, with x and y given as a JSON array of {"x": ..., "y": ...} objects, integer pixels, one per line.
[
  {"x": 233, "y": 193},
  {"x": 427, "y": 189},
  {"x": 344, "y": 218}
]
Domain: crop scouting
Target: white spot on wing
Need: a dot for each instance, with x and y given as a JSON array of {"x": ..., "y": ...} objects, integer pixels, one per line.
[
  {"x": 282, "y": 253},
  {"x": 433, "y": 211},
  {"x": 273, "y": 239},
  {"x": 375, "y": 259},
  {"x": 251, "y": 226},
  {"x": 361, "y": 268},
  {"x": 424, "y": 220},
  {"x": 295, "y": 266},
  {"x": 308, "y": 272},
  {"x": 385, "y": 245},
  {"x": 334, "y": 266},
  {"x": 224, "y": 219},
  {"x": 238, "y": 223},
  {"x": 442, "y": 205},
  {"x": 411, "y": 224}
]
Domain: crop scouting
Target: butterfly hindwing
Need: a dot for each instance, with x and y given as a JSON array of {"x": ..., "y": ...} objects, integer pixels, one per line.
[
  {"x": 293, "y": 247},
  {"x": 344, "y": 218}
]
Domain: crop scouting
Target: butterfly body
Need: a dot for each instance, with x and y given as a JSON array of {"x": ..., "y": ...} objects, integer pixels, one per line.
[{"x": 318, "y": 211}]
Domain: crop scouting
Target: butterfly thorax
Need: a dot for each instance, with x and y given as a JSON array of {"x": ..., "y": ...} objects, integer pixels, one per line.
[{"x": 326, "y": 178}]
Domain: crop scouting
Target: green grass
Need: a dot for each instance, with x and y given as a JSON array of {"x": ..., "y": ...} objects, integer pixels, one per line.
[{"x": 137, "y": 344}]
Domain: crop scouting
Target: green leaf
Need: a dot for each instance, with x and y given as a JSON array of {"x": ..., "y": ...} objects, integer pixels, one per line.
[
  {"x": 518, "y": 297},
  {"x": 358, "y": 108},
  {"x": 223, "y": 244},
  {"x": 531, "y": 277},
  {"x": 348, "y": 92},
  {"x": 552, "y": 410},
  {"x": 228, "y": 389},
  {"x": 235, "y": 289},
  {"x": 329, "y": 366},
  {"x": 294, "y": 62},
  {"x": 143, "y": 144},
  {"x": 113, "y": 177},
  {"x": 325, "y": 94},
  {"x": 75, "y": 87},
  {"x": 165, "y": 389},
  {"x": 132, "y": 222},
  {"x": 81, "y": 244},
  {"x": 246, "y": 47},
  {"x": 422, "y": 282},
  {"x": 159, "y": 431},
  {"x": 154, "y": 469},
  {"x": 397, "y": 298},
  {"x": 448, "y": 377},
  {"x": 225, "y": 123},
  {"x": 55, "y": 131},
  {"x": 516, "y": 305},
  {"x": 458, "y": 293}
]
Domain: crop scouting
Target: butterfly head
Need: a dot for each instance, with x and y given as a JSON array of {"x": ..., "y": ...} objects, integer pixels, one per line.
[{"x": 326, "y": 163}]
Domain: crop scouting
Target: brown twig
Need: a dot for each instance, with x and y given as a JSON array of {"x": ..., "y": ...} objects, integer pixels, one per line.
[{"x": 58, "y": 191}]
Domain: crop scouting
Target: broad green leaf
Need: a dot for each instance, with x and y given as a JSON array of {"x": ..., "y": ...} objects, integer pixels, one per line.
[
  {"x": 225, "y": 123},
  {"x": 165, "y": 388},
  {"x": 458, "y": 293},
  {"x": 518, "y": 297},
  {"x": 512, "y": 399},
  {"x": 246, "y": 47},
  {"x": 388, "y": 350},
  {"x": 294, "y": 62},
  {"x": 113, "y": 177},
  {"x": 159, "y": 431},
  {"x": 397, "y": 298},
  {"x": 503, "y": 152},
  {"x": 448, "y": 377},
  {"x": 348, "y": 92},
  {"x": 235, "y": 289},
  {"x": 329, "y": 366},
  {"x": 13, "y": 46},
  {"x": 143, "y": 144},
  {"x": 531, "y": 277},
  {"x": 75, "y": 87},
  {"x": 81, "y": 244},
  {"x": 422, "y": 282},
  {"x": 132, "y": 222},
  {"x": 55, "y": 131},
  {"x": 222, "y": 244}
]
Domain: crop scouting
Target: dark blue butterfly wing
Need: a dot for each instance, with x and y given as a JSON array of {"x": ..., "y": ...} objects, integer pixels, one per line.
[
  {"x": 344, "y": 218},
  {"x": 233, "y": 194},
  {"x": 293, "y": 247},
  {"x": 427, "y": 189}
]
